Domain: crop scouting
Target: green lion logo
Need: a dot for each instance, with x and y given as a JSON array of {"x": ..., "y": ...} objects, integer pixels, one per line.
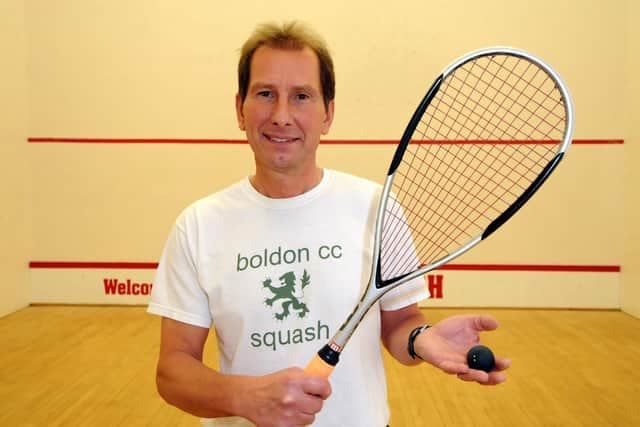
[{"x": 287, "y": 296}]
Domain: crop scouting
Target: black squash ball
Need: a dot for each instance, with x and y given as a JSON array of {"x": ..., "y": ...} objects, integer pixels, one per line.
[{"x": 481, "y": 358}]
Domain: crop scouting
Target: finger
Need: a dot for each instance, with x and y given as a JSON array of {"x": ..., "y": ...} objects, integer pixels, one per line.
[
  {"x": 496, "y": 377},
  {"x": 464, "y": 373},
  {"x": 481, "y": 377},
  {"x": 317, "y": 386},
  {"x": 452, "y": 367},
  {"x": 303, "y": 403},
  {"x": 475, "y": 375},
  {"x": 485, "y": 323},
  {"x": 502, "y": 364},
  {"x": 484, "y": 378}
]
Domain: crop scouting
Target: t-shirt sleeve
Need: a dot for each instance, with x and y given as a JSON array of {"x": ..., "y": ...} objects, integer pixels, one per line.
[
  {"x": 177, "y": 292},
  {"x": 406, "y": 294}
]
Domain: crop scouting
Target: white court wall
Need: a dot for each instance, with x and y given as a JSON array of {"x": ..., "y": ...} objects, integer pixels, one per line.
[
  {"x": 15, "y": 178},
  {"x": 139, "y": 69}
]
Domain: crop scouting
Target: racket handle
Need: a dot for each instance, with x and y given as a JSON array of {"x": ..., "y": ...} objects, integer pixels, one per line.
[
  {"x": 324, "y": 362},
  {"x": 319, "y": 367}
]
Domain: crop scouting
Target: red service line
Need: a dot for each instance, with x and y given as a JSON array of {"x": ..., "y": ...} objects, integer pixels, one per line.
[
  {"x": 50, "y": 140},
  {"x": 450, "y": 267}
]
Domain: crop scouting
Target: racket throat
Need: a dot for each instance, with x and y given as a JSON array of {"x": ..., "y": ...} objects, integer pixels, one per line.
[{"x": 350, "y": 325}]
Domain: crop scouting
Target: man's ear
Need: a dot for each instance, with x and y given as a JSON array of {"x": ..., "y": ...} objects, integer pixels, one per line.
[
  {"x": 329, "y": 117},
  {"x": 239, "y": 113}
]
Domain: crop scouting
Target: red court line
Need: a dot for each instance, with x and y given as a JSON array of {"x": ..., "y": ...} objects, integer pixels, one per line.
[
  {"x": 93, "y": 265},
  {"x": 530, "y": 267},
  {"x": 452, "y": 267},
  {"x": 50, "y": 140},
  {"x": 134, "y": 141}
]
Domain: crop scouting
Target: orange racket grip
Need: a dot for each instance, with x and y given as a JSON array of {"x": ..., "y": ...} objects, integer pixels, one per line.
[{"x": 319, "y": 367}]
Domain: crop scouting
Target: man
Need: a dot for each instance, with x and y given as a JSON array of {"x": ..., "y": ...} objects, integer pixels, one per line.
[{"x": 276, "y": 261}]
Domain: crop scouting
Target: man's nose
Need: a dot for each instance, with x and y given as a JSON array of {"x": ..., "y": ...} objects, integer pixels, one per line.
[{"x": 281, "y": 114}]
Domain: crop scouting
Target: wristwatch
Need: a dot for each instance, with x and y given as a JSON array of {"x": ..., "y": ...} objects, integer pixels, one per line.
[{"x": 412, "y": 337}]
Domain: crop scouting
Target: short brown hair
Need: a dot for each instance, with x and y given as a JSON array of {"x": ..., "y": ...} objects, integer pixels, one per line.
[{"x": 290, "y": 35}]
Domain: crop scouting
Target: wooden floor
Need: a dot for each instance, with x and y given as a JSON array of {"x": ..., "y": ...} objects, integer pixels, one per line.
[{"x": 94, "y": 366}]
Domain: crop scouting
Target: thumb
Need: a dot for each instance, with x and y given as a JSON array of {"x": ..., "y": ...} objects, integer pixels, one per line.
[{"x": 485, "y": 323}]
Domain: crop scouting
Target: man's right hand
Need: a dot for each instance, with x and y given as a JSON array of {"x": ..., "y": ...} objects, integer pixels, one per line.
[{"x": 285, "y": 398}]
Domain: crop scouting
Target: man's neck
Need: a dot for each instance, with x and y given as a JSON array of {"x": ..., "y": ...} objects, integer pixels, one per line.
[{"x": 277, "y": 185}]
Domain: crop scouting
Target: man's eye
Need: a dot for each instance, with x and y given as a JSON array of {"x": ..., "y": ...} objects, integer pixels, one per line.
[
  {"x": 302, "y": 97},
  {"x": 266, "y": 94}
]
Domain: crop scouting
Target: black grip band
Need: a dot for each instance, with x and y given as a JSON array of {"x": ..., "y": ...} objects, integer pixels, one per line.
[{"x": 329, "y": 355}]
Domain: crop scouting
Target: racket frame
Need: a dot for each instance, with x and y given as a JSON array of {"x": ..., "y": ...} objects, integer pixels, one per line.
[{"x": 377, "y": 287}]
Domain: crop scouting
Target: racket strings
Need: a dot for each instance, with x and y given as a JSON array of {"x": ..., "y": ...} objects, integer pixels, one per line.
[
  {"x": 526, "y": 84},
  {"x": 493, "y": 126}
]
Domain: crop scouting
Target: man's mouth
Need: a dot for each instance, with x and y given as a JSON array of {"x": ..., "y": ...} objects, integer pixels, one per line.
[{"x": 281, "y": 139}]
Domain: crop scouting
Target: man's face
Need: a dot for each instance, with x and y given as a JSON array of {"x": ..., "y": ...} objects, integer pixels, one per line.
[{"x": 283, "y": 113}]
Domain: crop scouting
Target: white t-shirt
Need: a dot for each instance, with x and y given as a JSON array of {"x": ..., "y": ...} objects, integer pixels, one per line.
[{"x": 276, "y": 278}]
